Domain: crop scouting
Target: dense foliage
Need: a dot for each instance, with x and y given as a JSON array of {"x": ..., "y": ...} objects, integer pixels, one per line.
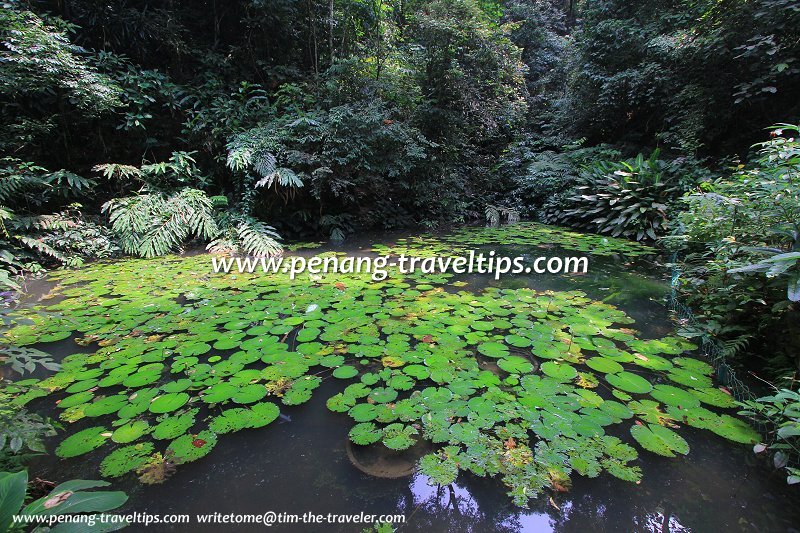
[
  {"x": 740, "y": 240},
  {"x": 695, "y": 76}
]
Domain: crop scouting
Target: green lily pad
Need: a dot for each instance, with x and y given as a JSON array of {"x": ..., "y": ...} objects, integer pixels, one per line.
[
  {"x": 559, "y": 371},
  {"x": 76, "y": 399},
  {"x": 604, "y": 365},
  {"x": 363, "y": 412},
  {"x": 714, "y": 397},
  {"x": 219, "y": 393},
  {"x": 173, "y": 427},
  {"x": 345, "y": 372},
  {"x": 188, "y": 448},
  {"x": 169, "y": 402},
  {"x": 82, "y": 442},
  {"x": 398, "y": 436},
  {"x": 105, "y": 406},
  {"x": 126, "y": 459},
  {"x": 669, "y": 395},
  {"x": 130, "y": 432},
  {"x": 441, "y": 470},
  {"x": 493, "y": 349},
  {"x": 383, "y": 395},
  {"x": 250, "y": 393},
  {"x": 365, "y": 433},
  {"x": 629, "y": 382},
  {"x": 660, "y": 440},
  {"x": 515, "y": 365}
]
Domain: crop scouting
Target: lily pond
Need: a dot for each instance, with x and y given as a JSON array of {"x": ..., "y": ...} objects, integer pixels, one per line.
[{"x": 465, "y": 403}]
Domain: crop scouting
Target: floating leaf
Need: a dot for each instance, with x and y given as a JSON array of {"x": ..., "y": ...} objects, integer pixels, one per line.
[
  {"x": 383, "y": 395},
  {"x": 188, "y": 448},
  {"x": 169, "y": 402},
  {"x": 660, "y": 440},
  {"x": 82, "y": 442},
  {"x": 174, "y": 426},
  {"x": 559, "y": 371},
  {"x": 629, "y": 382},
  {"x": 345, "y": 372},
  {"x": 365, "y": 433},
  {"x": 493, "y": 349},
  {"x": 441, "y": 470},
  {"x": 604, "y": 365},
  {"x": 130, "y": 432},
  {"x": 515, "y": 365},
  {"x": 125, "y": 459},
  {"x": 398, "y": 436}
]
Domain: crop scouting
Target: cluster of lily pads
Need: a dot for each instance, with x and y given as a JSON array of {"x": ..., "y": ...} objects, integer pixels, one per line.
[
  {"x": 527, "y": 386},
  {"x": 522, "y": 234}
]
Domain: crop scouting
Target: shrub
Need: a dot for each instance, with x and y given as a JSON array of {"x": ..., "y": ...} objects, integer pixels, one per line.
[
  {"x": 736, "y": 229},
  {"x": 623, "y": 199}
]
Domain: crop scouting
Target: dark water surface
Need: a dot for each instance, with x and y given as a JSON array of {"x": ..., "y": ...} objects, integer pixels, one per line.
[{"x": 303, "y": 465}]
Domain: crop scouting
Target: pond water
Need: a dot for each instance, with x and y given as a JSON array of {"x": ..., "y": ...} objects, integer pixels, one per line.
[{"x": 303, "y": 461}]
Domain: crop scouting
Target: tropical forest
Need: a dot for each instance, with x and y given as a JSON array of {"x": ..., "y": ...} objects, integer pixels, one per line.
[{"x": 382, "y": 266}]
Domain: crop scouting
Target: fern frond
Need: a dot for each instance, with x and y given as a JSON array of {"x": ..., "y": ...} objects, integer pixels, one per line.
[
  {"x": 155, "y": 224},
  {"x": 731, "y": 347},
  {"x": 13, "y": 183},
  {"x": 244, "y": 235},
  {"x": 164, "y": 237},
  {"x": 114, "y": 170},
  {"x": 257, "y": 239},
  {"x": 264, "y": 163},
  {"x": 43, "y": 249},
  {"x": 255, "y": 150}
]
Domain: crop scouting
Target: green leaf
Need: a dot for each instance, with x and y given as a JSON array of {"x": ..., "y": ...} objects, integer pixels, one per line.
[
  {"x": 659, "y": 440},
  {"x": 365, "y": 433},
  {"x": 12, "y": 495},
  {"x": 82, "y": 442},
  {"x": 440, "y": 469},
  {"x": 77, "y": 502},
  {"x": 345, "y": 372},
  {"x": 515, "y": 365},
  {"x": 559, "y": 371},
  {"x": 629, "y": 382},
  {"x": 189, "y": 448}
]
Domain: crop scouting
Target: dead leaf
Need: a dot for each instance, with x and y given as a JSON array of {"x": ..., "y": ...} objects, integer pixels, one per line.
[
  {"x": 57, "y": 499},
  {"x": 553, "y": 503}
]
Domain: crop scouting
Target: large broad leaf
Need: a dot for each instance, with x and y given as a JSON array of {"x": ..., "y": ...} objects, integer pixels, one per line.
[
  {"x": 793, "y": 292},
  {"x": 76, "y": 502},
  {"x": 169, "y": 402},
  {"x": 80, "y": 484},
  {"x": 98, "y": 527},
  {"x": 12, "y": 494}
]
